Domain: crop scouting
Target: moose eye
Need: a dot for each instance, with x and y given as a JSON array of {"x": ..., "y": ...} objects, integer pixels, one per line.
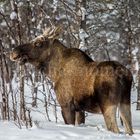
[
  {"x": 15, "y": 56},
  {"x": 38, "y": 44}
]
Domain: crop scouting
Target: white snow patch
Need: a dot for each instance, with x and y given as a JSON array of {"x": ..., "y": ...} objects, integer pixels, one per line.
[
  {"x": 135, "y": 51},
  {"x": 114, "y": 12},
  {"x": 108, "y": 40},
  {"x": 20, "y": 4},
  {"x": 13, "y": 15},
  {"x": 13, "y": 41},
  {"x": 82, "y": 35},
  {"x": 33, "y": 19},
  {"x": 104, "y": 17},
  {"x": 59, "y": 131},
  {"x": 1, "y": 8},
  {"x": 112, "y": 36},
  {"x": 55, "y": 4},
  {"x": 90, "y": 16},
  {"x": 138, "y": 24},
  {"x": 126, "y": 29},
  {"x": 47, "y": 16},
  {"x": 101, "y": 33},
  {"x": 110, "y": 6},
  {"x": 4, "y": 24},
  {"x": 137, "y": 66}
]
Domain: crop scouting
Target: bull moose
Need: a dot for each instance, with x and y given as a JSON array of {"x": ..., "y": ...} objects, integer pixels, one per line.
[{"x": 80, "y": 83}]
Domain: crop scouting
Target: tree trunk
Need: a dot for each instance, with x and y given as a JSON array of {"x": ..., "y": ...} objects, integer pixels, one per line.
[
  {"x": 3, "y": 92},
  {"x": 22, "y": 100},
  {"x": 138, "y": 90},
  {"x": 81, "y": 9},
  {"x": 34, "y": 89}
]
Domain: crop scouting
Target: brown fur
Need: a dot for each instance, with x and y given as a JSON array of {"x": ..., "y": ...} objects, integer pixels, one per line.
[{"x": 80, "y": 83}]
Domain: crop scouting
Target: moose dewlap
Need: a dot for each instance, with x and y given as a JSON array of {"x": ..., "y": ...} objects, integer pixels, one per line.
[{"x": 80, "y": 83}]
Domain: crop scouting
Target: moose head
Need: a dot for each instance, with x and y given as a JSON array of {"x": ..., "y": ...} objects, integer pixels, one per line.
[{"x": 38, "y": 49}]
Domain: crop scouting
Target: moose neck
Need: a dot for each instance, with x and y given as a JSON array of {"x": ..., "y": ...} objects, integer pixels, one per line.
[{"x": 53, "y": 62}]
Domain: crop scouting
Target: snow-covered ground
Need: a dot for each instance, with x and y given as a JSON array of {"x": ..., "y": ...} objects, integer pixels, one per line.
[
  {"x": 8, "y": 131},
  {"x": 94, "y": 129}
]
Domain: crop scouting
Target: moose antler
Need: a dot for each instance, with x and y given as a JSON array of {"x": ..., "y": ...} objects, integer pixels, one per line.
[
  {"x": 49, "y": 33},
  {"x": 52, "y": 32}
]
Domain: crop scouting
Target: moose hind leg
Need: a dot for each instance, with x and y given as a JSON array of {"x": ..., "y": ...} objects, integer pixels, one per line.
[
  {"x": 80, "y": 117},
  {"x": 126, "y": 117},
  {"x": 110, "y": 118}
]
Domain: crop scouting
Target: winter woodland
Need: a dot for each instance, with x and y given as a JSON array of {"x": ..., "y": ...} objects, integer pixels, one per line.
[{"x": 104, "y": 29}]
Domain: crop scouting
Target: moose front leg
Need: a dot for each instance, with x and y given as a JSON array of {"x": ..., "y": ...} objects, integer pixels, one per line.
[{"x": 68, "y": 114}]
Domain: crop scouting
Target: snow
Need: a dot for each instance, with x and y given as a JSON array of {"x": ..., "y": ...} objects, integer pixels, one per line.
[
  {"x": 135, "y": 51},
  {"x": 136, "y": 66},
  {"x": 55, "y": 4},
  {"x": 13, "y": 41},
  {"x": 110, "y": 6},
  {"x": 9, "y": 131},
  {"x": 90, "y": 16},
  {"x": 1, "y": 8},
  {"x": 45, "y": 130},
  {"x": 112, "y": 36},
  {"x": 20, "y": 4},
  {"x": 33, "y": 19},
  {"x": 13, "y": 15},
  {"x": 4, "y": 24},
  {"x": 82, "y": 35}
]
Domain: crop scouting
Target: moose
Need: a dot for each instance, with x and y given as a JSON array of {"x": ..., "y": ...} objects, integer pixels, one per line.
[{"x": 80, "y": 83}]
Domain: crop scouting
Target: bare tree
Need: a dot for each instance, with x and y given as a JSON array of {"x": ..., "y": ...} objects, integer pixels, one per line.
[{"x": 3, "y": 90}]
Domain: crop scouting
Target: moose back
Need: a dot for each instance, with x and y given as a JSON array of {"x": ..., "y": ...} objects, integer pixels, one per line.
[{"x": 80, "y": 83}]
